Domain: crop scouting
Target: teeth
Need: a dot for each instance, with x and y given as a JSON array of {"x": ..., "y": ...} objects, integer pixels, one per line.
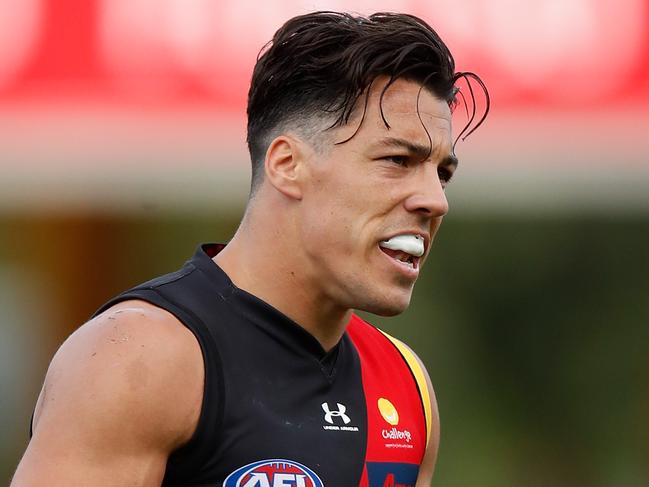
[
  {"x": 407, "y": 263},
  {"x": 410, "y": 244}
]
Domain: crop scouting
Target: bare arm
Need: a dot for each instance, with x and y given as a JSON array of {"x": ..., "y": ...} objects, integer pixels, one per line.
[{"x": 120, "y": 395}]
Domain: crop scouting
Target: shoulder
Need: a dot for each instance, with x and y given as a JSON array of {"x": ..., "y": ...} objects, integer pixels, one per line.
[
  {"x": 374, "y": 341},
  {"x": 431, "y": 411},
  {"x": 422, "y": 377},
  {"x": 120, "y": 371}
]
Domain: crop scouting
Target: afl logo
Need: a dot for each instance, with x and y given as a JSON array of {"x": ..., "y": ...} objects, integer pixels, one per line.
[{"x": 273, "y": 473}]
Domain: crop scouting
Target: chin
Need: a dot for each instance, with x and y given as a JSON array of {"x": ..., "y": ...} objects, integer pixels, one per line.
[{"x": 387, "y": 307}]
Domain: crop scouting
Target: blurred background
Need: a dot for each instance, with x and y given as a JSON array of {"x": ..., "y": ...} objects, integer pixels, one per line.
[{"x": 122, "y": 146}]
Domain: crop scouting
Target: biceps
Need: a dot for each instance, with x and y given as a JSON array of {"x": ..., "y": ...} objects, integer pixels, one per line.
[
  {"x": 52, "y": 459},
  {"x": 81, "y": 438},
  {"x": 86, "y": 431},
  {"x": 104, "y": 417}
]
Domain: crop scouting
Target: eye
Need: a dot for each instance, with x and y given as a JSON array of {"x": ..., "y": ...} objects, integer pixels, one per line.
[
  {"x": 445, "y": 175},
  {"x": 397, "y": 159}
]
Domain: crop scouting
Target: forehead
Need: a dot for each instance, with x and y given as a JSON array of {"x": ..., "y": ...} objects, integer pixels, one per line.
[{"x": 405, "y": 110}]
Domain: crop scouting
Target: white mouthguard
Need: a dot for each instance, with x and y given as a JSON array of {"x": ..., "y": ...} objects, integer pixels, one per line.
[{"x": 411, "y": 244}]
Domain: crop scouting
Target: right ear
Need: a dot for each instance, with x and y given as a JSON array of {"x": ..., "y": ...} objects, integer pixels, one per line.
[{"x": 284, "y": 165}]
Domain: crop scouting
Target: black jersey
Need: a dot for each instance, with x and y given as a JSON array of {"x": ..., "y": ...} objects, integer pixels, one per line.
[{"x": 279, "y": 411}]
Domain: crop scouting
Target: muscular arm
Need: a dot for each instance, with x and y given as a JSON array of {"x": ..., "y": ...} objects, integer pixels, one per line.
[{"x": 120, "y": 395}]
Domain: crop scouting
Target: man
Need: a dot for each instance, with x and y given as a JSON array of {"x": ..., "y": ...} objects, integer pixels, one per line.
[{"x": 247, "y": 366}]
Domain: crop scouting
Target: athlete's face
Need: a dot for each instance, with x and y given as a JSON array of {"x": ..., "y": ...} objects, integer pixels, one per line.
[{"x": 380, "y": 184}]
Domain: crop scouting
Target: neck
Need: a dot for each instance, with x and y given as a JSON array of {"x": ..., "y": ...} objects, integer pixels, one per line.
[{"x": 264, "y": 263}]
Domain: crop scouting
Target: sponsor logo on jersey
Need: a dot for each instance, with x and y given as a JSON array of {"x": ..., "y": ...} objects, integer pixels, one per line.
[
  {"x": 395, "y": 434},
  {"x": 388, "y": 411},
  {"x": 337, "y": 415},
  {"x": 273, "y": 473},
  {"x": 392, "y": 474},
  {"x": 398, "y": 438}
]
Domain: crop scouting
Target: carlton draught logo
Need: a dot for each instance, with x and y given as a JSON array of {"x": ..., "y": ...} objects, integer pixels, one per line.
[{"x": 273, "y": 473}]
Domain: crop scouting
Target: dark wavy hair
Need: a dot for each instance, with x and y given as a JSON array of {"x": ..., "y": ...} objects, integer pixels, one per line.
[{"x": 318, "y": 65}]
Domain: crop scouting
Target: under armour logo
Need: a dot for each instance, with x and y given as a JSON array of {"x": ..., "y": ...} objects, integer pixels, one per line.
[{"x": 329, "y": 414}]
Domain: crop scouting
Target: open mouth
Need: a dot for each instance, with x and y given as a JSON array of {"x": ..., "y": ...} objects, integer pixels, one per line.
[
  {"x": 403, "y": 258},
  {"x": 405, "y": 249}
]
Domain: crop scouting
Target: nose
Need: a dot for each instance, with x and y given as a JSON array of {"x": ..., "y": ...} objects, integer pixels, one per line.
[{"x": 427, "y": 196}]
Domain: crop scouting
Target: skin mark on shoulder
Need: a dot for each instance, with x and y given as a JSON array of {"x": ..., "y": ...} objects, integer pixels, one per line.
[
  {"x": 120, "y": 339},
  {"x": 117, "y": 336}
]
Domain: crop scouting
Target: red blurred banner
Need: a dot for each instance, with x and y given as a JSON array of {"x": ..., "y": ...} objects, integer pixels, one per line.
[{"x": 166, "y": 53}]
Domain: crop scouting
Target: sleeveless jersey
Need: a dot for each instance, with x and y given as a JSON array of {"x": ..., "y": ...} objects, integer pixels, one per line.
[{"x": 279, "y": 411}]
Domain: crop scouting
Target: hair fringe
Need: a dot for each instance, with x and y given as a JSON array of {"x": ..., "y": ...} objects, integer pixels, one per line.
[{"x": 320, "y": 64}]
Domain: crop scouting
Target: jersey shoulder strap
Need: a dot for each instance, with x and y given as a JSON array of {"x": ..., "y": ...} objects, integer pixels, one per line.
[{"x": 420, "y": 378}]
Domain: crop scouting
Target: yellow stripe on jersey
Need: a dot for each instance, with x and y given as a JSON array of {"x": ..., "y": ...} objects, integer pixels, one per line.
[{"x": 420, "y": 378}]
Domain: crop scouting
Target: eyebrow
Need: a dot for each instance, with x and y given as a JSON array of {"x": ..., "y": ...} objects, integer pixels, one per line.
[{"x": 417, "y": 150}]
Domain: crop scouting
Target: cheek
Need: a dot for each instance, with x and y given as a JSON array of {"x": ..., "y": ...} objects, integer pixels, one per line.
[
  {"x": 342, "y": 212},
  {"x": 334, "y": 227},
  {"x": 333, "y": 233}
]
